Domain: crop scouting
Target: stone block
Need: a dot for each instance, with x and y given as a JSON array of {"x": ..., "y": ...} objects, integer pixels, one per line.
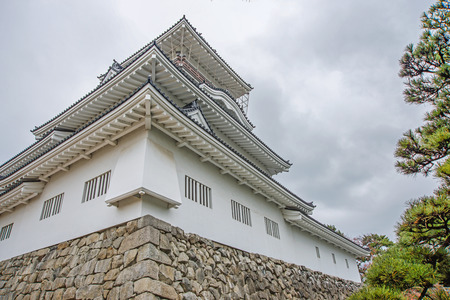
[
  {"x": 146, "y": 268},
  {"x": 131, "y": 226},
  {"x": 108, "y": 285},
  {"x": 69, "y": 293},
  {"x": 207, "y": 295},
  {"x": 58, "y": 294},
  {"x": 114, "y": 294},
  {"x": 88, "y": 267},
  {"x": 89, "y": 292},
  {"x": 155, "y": 287},
  {"x": 145, "y": 296},
  {"x": 129, "y": 256},
  {"x": 103, "y": 266},
  {"x": 35, "y": 295},
  {"x": 149, "y": 251},
  {"x": 164, "y": 243},
  {"x": 200, "y": 275},
  {"x": 148, "y": 220},
  {"x": 112, "y": 274},
  {"x": 42, "y": 252},
  {"x": 166, "y": 274},
  {"x": 93, "y": 254},
  {"x": 139, "y": 238},
  {"x": 189, "y": 296},
  {"x": 29, "y": 269},
  {"x": 182, "y": 258},
  {"x": 116, "y": 261},
  {"x": 59, "y": 283},
  {"x": 126, "y": 291},
  {"x": 116, "y": 243}
]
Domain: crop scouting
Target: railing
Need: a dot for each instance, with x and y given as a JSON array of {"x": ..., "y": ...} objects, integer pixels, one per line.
[{"x": 180, "y": 61}]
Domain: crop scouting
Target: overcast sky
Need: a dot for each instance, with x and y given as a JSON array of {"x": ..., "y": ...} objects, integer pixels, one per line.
[{"x": 326, "y": 92}]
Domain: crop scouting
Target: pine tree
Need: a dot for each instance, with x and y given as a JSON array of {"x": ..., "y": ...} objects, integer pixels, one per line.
[{"x": 426, "y": 68}]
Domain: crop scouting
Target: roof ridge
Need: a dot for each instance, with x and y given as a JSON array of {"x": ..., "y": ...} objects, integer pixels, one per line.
[{"x": 215, "y": 52}]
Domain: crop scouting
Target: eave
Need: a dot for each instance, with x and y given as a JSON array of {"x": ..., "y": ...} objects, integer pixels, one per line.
[
  {"x": 160, "y": 112},
  {"x": 153, "y": 63},
  {"x": 239, "y": 132},
  {"x": 33, "y": 151},
  {"x": 20, "y": 195},
  {"x": 315, "y": 228}
]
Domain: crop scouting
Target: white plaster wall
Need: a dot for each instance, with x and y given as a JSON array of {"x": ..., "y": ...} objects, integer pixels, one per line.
[
  {"x": 216, "y": 223},
  {"x": 76, "y": 218}
]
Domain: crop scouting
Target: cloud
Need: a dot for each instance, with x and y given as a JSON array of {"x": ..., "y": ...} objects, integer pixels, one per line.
[{"x": 327, "y": 95}]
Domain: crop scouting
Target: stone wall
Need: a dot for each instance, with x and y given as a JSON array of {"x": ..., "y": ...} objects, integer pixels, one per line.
[{"x": 149, "y": 259}]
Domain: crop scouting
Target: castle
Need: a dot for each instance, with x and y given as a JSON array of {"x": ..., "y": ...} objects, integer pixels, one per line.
[{"x": 165, "y": 133}]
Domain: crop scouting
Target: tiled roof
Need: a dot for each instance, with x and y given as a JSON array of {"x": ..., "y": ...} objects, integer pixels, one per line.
[
  {"x": 193, "y": 106},
  {"x": 185, "y": 114},
  {"x": 26, "y": 149},
  {"x": 195, "y": 29},
  {"x": 195, "y": 83},
  {"x": 128, "y": 62},
  {"x": 230, "y": 147},
  {"x": 15, "y": 185},
  {"x": 84, "y": 97},
  {"x": 75, "y": 132},
  {"x": 182, "y": 71}
]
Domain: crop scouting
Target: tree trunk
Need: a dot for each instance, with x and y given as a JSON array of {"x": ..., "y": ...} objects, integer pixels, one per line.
[{"x": 424, "y": 292}]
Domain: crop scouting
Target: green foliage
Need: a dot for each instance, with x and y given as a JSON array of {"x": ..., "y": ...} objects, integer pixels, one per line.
[
  {"x": 377, "y": 293},
  {"x": 377, "y": 244},
  {"x": 426, "y": 221},
  {"x": 426, "y": 68},
  {"x": 421, "y": 258},
  {"x": 401, "y": 268}
]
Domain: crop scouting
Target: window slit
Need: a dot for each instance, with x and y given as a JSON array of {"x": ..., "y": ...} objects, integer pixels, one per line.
[
  {"x": 96, "y": 187},
  {"x": 197, "y": 192}
]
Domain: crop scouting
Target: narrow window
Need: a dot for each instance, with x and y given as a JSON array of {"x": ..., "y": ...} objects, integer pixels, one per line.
[
  {"x": 272, "y": 228},
  {"x": 197, "y": 192},
  {"x": 52, "y": 206},
  {"x": 6, "y": 232},
  {"x": 346, "y": 262},
  {"x": 334, "y": 258},
  {"x": 241, "y": 213},
  {"x": 96, "y": 187},
  {"x": 317, "y": 252}
]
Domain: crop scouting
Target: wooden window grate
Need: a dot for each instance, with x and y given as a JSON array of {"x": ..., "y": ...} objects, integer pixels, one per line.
[
  {"x": 52, "y": 206},
  {"x": 6, "y": 232},
  {"x": 334, "y": 258},
  {"x": 241, "y": 213},
  {"x": 317, "y": 252},
  {"x": 272, "y": 228},
  {"x": 197, "y": 192},
  {"x": 346, "y": 263},
  {"x": 96, "y": 187}
]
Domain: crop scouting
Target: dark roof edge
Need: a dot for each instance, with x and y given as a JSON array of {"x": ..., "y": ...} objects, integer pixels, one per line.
[{"x": 327, "y": 229}]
